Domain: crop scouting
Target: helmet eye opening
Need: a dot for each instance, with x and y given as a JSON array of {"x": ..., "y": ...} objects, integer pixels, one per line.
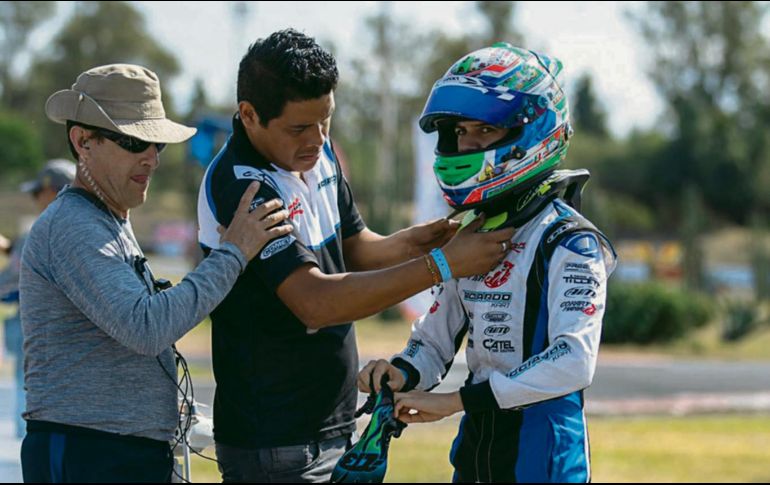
[
  {"x": 514, "y": 133},
  {"x": 448, "y": 138}
]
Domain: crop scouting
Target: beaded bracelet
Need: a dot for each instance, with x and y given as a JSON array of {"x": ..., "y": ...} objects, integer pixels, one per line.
[{"x": 433, "y": 273}]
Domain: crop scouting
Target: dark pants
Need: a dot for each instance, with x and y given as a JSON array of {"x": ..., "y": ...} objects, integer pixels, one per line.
[
  {"x": 308, "y": 463},
  {"x": 93, "y": 457}
]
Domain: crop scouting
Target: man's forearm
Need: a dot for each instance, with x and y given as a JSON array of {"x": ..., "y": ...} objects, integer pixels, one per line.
[
  {"x": 327, "y": 300},
  {"x": 372, "y": 251},
  {"x": 368, "y": 250}
]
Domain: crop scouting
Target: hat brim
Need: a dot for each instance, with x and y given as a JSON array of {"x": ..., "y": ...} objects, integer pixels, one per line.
[
  {"x": 156, "y": 130},
  {"x": 74, "y": 106}
]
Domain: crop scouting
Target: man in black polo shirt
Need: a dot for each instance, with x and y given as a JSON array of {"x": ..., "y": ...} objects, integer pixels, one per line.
[{"x": 284, "y": 350}]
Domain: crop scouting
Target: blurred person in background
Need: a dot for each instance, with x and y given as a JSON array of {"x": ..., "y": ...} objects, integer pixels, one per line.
[{"x": 53, "y": 177}]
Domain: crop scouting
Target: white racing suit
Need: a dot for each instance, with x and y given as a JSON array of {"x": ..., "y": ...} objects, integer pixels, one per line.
[{"x": 533, "y": 327}]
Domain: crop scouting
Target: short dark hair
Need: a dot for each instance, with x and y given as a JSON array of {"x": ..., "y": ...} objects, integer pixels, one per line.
[
  {"x": 71, "y": 124},
  {"x": 287, "y": 66}
]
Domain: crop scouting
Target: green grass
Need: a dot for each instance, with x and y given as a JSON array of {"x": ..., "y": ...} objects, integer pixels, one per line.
[
  {"x": 692, "y": 449},
  {"x": 705, "y": 343},
  {"x": 655, "y": 449},
  {"x": 380, "y": 339}
]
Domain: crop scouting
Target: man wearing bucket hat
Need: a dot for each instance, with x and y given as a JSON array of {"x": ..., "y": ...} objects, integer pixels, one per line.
[
  {"x": 48, "y": 182},
  {"x": 98, "y": 328}
]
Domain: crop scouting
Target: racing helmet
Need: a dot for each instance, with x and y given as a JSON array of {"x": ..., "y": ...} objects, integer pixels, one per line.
[{"x": 508, "y": 87}]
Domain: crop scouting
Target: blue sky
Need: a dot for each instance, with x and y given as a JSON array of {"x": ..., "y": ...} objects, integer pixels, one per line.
[{"x": 593, "y": 37}]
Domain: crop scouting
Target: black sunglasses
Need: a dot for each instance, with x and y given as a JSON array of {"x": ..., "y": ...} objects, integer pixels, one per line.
[{"x": 126, "y": 142}]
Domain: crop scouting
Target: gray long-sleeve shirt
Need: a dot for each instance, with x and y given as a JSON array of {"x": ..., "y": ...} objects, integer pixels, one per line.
[{"x": 93, "y": 328}]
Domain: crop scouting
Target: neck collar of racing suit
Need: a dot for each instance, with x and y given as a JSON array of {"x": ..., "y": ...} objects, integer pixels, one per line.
[{"x": 520, "y": 207}]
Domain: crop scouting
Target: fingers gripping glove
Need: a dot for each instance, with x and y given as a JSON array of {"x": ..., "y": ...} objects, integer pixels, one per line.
[{"x": 367, "y": 461}]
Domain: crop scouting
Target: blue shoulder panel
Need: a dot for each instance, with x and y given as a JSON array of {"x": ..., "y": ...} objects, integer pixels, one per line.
[{"x": 583, "y": 243}]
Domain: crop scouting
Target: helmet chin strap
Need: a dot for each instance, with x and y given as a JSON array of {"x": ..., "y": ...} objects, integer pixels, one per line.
[{"x": 521, "y": 206}]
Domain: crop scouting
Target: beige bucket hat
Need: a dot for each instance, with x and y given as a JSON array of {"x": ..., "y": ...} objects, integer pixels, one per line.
[{"x": 124, "y": 98}]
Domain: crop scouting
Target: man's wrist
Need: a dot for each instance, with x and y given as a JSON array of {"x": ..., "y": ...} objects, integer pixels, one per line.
[
  {"x": 233, "y": 249},
  {"x": 403, "y": 239},
  {"x": 456, "y": 402}
]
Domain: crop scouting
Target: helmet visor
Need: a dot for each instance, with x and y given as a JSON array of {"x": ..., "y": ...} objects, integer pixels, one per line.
[{"x": 464, "y": 98}]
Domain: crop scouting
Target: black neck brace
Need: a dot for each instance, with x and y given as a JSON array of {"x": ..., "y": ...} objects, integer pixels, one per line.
[{"x": 520, "y": 207}]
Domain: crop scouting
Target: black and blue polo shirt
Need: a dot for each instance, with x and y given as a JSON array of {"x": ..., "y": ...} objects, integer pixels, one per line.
[{"x": 279, "y": 383}]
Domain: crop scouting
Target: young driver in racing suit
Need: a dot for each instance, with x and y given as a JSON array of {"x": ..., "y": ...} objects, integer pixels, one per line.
[{"x": 533, "y": 324}]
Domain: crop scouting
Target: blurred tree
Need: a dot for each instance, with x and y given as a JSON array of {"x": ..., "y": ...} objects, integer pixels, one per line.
[
  {"x": 621, "y": 177},
  {"x": 98, "y": 33},
  {"x": 385, "y": 46},
  {"x": 376, "y": 105},
  {"x": 199, "y": 102},
  {"x": 760, "y": 256},
  {"x": 586, "y": 112},
  {"x": 186, "y": 172},
  {"x": 692, "y": 228},
  {"x": 17, "y": 21},
  {"x": 441, "y": 49},
  {"x": 22, "y": 154},
  {"x": 354, "y": 129},
  {"x": 712, "y": 67},
  {"x": 499, "y": 19}
]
